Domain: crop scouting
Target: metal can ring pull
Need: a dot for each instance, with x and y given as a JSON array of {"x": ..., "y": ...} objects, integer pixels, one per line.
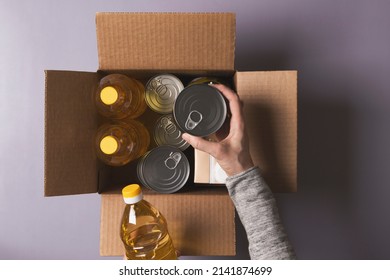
[
  {"x": 160, "y": 89},
  {"x": 194, "y": 118},
  {"x": 168, "y": 125},
  {"x": 173, "y": 160}
]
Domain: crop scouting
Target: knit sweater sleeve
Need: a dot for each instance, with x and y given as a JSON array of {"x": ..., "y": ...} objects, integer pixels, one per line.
[{"x": 259, "y": 215}]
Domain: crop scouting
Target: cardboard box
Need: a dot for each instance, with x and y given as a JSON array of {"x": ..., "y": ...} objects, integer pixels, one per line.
[
  {"x": 201, "y": 218},
  {"x": 270, "y": 111},
  {"x": 207, "y": 170}
]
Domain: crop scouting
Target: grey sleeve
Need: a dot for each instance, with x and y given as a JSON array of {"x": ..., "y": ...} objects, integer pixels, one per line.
[{"x": 256, "y": 207}]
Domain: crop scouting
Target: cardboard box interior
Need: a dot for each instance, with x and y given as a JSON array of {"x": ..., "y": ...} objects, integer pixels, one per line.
[{"x": 71, "y": 166}]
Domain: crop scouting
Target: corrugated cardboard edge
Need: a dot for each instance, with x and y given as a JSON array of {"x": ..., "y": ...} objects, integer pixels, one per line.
[
  {"x": 44, "y": 138},
  {"x": 209, "y": 231},
  {"x": 270, "y": 108},
  {"x": 202, "y": 167},
  {"x": 207, "y": 170},
  {"x": 70, "y": 118},
  {"x": 169, "y": 41}
]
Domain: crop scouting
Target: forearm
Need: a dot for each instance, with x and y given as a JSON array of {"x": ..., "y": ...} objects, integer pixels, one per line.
[{"x": 257, "y": 210}]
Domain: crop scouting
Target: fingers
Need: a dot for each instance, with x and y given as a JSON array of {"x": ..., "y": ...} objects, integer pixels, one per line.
[
  {"x": 200, "y": 143},
  {"x": 235, "y": 106},
  {"x": 226, "y": 91},
  {"x": 230, "y": 95}
]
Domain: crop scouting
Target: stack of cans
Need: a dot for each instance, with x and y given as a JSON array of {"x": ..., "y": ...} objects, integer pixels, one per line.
[
  {"x": 161, "y": 94},
  {"x": 198, "y": 109}
]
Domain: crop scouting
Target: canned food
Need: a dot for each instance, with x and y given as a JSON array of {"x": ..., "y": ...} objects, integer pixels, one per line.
[
  {"x": 164, "y": 169},
  {"x": 162, "y": 91},
  {"x": 204, "y": 80},
  {"x": 166, "y": 132},
  {"x": 200, "y": 110}
]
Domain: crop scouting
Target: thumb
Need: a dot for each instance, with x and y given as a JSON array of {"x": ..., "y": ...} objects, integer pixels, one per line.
[{"x": 200, "y": 144}]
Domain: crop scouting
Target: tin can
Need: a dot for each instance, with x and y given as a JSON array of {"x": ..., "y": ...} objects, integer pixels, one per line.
[
  {"x": 204, "y": 80},
  {"x": 161, "y": 92},
  {"x": 164, "y": 169},
  {"x": 166, "y": 132},
  {"x": 200, "y": 110}
]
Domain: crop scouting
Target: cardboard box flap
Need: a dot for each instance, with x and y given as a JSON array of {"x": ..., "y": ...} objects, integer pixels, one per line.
[
  {"x": 201, "y": 223},
  {"x": 70, "y": 126},
  {"x": 169, "y": 41},
  {"x": 270, "y": 110}
]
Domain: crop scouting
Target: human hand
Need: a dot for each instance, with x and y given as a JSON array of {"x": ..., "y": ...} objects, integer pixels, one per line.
[{"x": 232, "y": 152}]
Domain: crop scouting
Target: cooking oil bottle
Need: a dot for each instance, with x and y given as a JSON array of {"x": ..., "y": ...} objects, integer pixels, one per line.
[
  {"x": 117, "y": 143},
  {"x": 144, "y": 231},
  {"x": 119, "y": 96}
]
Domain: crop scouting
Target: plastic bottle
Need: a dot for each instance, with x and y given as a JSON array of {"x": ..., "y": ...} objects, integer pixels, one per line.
[
  {"x": 144, "y": 231},
  {"x": 118, "y": 143},
  {"x": 119, "y": 96}
]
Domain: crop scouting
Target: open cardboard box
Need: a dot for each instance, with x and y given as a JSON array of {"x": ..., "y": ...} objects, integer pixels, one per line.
[{"x": 189, "y": 45}]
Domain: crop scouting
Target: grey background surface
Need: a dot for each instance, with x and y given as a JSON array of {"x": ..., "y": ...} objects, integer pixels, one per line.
[{"x": 342, "y": 52}]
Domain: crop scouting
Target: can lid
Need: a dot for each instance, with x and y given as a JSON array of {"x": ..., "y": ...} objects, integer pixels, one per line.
[
  {"x": 109, "y": 95},
  {"x": 132, "y": 193},
  {"x": 162, "y": 91},
  {"x": 109, "y": 145},
  {"x": 204, "y": 80},
  {"x": 166, "y": 132},
  {"x": 200, "y": 110},
  {"x": 164, "y": 169}
]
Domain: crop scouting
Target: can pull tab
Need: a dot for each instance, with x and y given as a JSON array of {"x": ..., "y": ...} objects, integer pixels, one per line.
[
  {"x": 160, "y": 89},
  {"x": 168, "y": 126},
  {"x": 173, "y": 160},
  {"x": 193, "y": 119}
]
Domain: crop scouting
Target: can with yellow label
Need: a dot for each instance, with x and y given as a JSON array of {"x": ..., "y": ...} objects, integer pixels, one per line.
[{"x": 161, "y": 92}]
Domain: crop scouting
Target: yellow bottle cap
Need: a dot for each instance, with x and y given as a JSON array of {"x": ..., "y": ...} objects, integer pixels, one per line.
[
  {"x": 108, "y": 145},
  {"x": 131, "y": 191},
  {"x": 109, "y": 95}
]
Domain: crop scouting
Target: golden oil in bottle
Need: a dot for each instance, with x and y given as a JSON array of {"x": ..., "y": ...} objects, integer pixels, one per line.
[
  {"x": 144, "y": 230},
  {"x": 118, "y": 143},
  {"x": 119, "y": 96}
]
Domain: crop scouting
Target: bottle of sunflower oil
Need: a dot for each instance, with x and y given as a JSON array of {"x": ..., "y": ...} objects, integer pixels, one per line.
[
  {"x": 144, "y": 231},
  {"x": 118, "y": 143},
  {"x": 119, "y": 96}
]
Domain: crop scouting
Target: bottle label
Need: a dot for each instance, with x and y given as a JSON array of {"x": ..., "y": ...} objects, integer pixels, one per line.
[{"x": 132, "y": 217}]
